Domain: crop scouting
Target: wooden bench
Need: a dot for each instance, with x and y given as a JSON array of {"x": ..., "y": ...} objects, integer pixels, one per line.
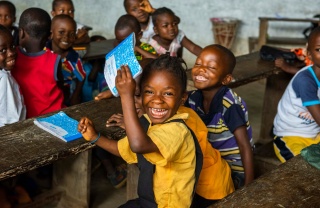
[
  {"x": 255, "y": 43},
  {"x": 293, "y": 184},
  {"x": 25, "y": 147}
]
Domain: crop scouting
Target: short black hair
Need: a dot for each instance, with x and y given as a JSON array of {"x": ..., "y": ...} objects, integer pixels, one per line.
[
  {"x": 174, "y": 65},
  {"x": 36, "y": 22},
  {"x": 163, "y": 10},
  {"x": 56, "y": 2},
  {"x": 125, "y": 5},
  {"x": 228, "y": 57},
  {"x": 64, "y": 17},
  {"x": 128, "y": 21},
  {"x": 314, "y": 33},
  {"x": 10, "y": 6}
]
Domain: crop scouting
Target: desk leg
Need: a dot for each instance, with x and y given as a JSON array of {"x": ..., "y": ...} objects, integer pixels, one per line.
[
  {"x": 263, "y": 32},
  {"x": 73, "y": 175},
  {"x": 275, "y": 87},
  {"x": 132, "y": 181}
]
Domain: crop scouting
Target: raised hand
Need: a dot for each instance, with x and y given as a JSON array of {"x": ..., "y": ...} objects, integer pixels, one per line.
[
  {"x": 125, "y": 84},
  {"x": 146, "y": 6}
]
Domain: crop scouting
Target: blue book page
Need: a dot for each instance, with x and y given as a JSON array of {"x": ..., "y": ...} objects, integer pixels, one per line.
[
  {"x": 60, "y": 125},
  {"x": 122, "y": 54}
]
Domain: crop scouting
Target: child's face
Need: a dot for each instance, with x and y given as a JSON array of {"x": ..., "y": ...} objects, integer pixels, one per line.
[
  {"x": 63, "y": 34},
  {"x": 166, "y": 27},
  {"x": 161, "y": 96},
  {"x": 7, "y": 51},
  {"x": 6, "y": 18},
  {"x": 133, "y": 8},
  {"x": 314, "y": 51},
  {"x": 209, "y": 69},
  {"x": 63, "y": 8}
]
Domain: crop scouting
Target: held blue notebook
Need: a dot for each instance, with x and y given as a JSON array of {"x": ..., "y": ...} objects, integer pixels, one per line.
[
  {"x": 122, "y": 54},
  {"x": 60, "y": 125}
]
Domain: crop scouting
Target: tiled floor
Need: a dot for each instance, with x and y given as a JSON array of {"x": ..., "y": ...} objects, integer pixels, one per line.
[{"x": 103, "y": 195}]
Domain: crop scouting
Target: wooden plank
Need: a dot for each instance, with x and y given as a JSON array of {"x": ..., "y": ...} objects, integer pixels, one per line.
[
  {"x": 24, "y": 146},
  {"x": 313, "y": 20},
  {"x": 293, "y": 184},
  {"x": 98, "y": 49}
]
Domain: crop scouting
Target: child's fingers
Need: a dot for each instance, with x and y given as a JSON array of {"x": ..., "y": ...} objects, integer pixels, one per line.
[{"x": 127, "y": 71}]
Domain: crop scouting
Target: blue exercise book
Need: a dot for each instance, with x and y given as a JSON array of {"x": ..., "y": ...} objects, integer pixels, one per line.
[
  {"x": 60, "y": 125},
  {"x": 122, "y": 54}
]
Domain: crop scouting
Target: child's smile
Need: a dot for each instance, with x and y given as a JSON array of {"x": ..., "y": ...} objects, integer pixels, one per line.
[{"x": 161, "y": 96}]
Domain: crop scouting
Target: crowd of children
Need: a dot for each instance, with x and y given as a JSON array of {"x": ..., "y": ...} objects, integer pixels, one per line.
[{"x": 192, "y": 148}]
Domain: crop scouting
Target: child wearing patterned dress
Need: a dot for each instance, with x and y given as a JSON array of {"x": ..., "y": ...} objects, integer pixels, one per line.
[
  {"x": 38, "y": 71},
  {"x": 223, "y": 111},
  {"x": 63, "y": 34},
  {"x": 297, "y": 122},
  {"x": 168, "y": 38}
]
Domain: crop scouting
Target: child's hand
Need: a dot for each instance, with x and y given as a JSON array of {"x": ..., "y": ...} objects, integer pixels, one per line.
[
  {"x": 81, "y": 33},
  {"x": 146, "y": 6},
  {"x": 116, "y": 120},
  {"x": 103, "y": 95},
  {"x": 125, "y": 84},
  {"x": 86, "y": 128}
]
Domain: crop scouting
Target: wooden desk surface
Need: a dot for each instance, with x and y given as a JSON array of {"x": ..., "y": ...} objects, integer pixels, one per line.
[
  {"x": 314, "y": 20},
  {"x": 294, "y": 184},
  {"x": 24, "y": 146},
  {"x": 98, "y": 49}
]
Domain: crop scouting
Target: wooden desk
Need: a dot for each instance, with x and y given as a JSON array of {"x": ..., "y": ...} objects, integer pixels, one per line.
[
  {"x": 98, "y": 49},
  {"x": 293, "y": 184},
  {"x": 263, "y": 29},
  {"x": 25, "y": 147}
]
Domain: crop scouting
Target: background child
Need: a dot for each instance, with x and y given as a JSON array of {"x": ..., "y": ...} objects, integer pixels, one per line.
[
  {"x": 162, "y": 94},
  {"x": 168, "y": 37},
  {"x": 66, "y": 7},
  {"x": 63, "y": 29},
  {"x": 297, "y": 122},
  {"x": 141, "y": 10},
  {"x": 12, "y": 108},
  {"x": 8, "y": 17},
  {"x": 223, "y": 111},
  {"x": 37, "y": 70}
]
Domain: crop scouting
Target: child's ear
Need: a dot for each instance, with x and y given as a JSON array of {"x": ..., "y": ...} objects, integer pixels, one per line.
[
  {"x": 155, "y": 30},
  {"x": 21, "y": 34},
  {"x": 139, "y": 35},
  {"x": 227, "y": 79},
  {"x": 50, "y": 37},
  {"x": 53, "y": 13},
  {"x": 309, "y": 55},
  {"x": 184, "y": 98}
]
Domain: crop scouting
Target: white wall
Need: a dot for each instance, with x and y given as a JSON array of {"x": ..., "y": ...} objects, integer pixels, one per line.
[{"x": 195, "y": 17}]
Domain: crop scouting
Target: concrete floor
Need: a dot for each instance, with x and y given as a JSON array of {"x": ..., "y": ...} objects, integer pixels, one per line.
[{"x": 103, "y": 195}]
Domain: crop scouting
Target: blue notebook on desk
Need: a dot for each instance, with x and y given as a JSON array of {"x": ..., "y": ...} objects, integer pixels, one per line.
[
  {"x": 122, "y": 54},
  {"x": 60, "y": 125}
]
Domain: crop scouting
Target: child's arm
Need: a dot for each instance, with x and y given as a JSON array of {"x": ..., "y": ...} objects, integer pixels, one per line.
[
  {"x": 191, "y": 46},
  {"x": 103, "y": 95},
  {"x": 289, "y": 68},
  {"x": 246, "y": 153},
  {"x": 139, "y": 141},
  {"x": 76, "y": 95},
  {"x": 144, "y": 53},
  {"x": 315, "y": 112},
  {"x": 86, "y": 128}
]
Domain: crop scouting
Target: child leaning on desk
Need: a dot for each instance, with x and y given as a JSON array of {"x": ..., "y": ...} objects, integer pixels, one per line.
[
  {"x": 223, "y": 111},
  {"x": 297, "y": 122},
  {"x": 157, "y": 153}
]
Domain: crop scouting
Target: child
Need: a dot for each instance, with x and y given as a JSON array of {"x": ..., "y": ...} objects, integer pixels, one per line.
[
  {"x": 8, "y": 17},
  {"x": 141, "y": 10},
  {"x": 63, "y": 33},
  {"x": 297, "y": 122},
  {"x": 215, "y": 180},
  {"x": 126, "y": 25},
  {"x": 223, "y": 111},
  {"x": 168, "y": 38},
  {"x": 66, "y": 7},
  {"x": 169, "y": 171},
  {"x": 37, "y": 70},
  {"x": 12, "y": 108}
]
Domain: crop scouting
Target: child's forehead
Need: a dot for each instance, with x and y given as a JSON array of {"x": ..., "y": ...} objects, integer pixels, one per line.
[
  {"x": 64, "y": 22},
  {"x": 64, "y": 4}
]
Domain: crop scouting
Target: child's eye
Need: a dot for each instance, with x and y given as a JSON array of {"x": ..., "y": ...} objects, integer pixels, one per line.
[
  {"x": 61, "y": 32},
  {"x": 61, "y": 11},
  {"x": 12, "y": 47},
  {"x": 148, "y": 92},
  {"x": 3, "y": 50},
  {"x": 168, "y": 93},
  {"x": 71, "y": 11}
]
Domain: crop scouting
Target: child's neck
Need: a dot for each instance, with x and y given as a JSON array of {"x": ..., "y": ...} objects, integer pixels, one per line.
[
  {"x": 33, "y": 46},
  {"x": 208, "y": 96},
  {"x": 163, "y": 42},
  {"x": 63, "y": 53}
]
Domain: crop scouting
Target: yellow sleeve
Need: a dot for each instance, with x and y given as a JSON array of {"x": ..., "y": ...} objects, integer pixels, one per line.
[{"x": 125, "y": 151}]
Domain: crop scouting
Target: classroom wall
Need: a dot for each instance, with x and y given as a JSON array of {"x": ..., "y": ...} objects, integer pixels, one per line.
[{"x": 195, "y": 17}]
